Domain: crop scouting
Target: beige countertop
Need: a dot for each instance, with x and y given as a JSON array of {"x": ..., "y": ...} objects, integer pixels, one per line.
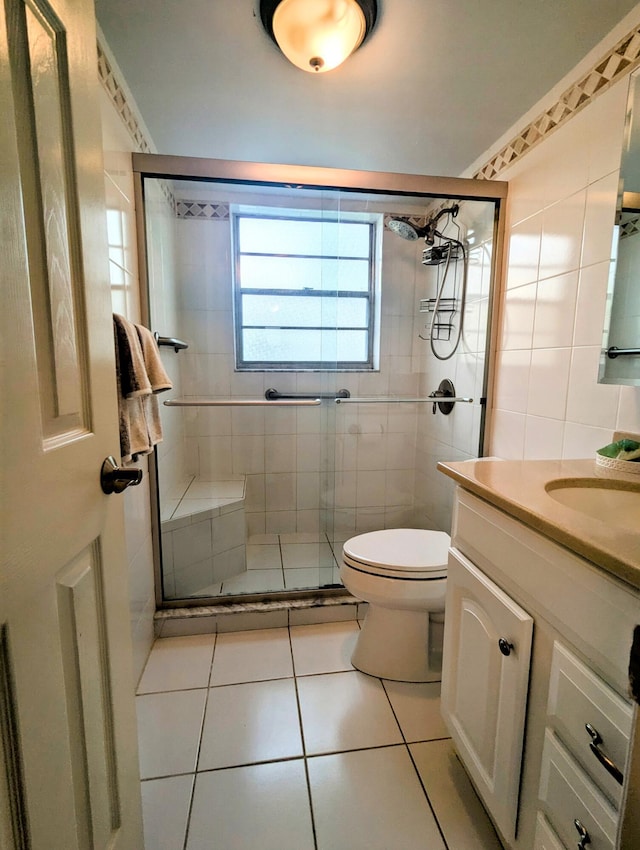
[{"x": 518, "y": 488}]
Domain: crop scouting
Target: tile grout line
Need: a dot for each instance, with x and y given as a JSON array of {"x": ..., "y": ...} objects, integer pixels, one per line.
[
  {"x": 304, "y": 746},
  {"x": 410, "y": 754},
  {"x": 195, "y": 770}
]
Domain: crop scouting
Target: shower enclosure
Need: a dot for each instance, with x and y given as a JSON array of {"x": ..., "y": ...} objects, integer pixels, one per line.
[{"x": 311, "y": 321}]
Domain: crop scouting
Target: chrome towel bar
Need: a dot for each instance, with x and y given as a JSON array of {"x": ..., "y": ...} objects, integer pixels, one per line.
[{"x": 400, "y": 400}]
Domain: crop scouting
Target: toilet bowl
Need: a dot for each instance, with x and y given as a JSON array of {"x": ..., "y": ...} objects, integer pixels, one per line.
[{"x": 402, "y": 574}]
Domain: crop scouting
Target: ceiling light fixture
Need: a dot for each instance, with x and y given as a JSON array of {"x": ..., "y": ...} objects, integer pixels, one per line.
[{"x": 318, "y": 35}]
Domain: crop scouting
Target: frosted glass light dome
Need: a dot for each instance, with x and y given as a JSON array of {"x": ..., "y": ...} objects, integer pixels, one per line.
[{"x": 318, "y": 35}]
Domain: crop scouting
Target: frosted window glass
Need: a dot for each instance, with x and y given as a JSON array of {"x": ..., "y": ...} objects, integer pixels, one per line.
[
  {"x": 283, "y": 311},
  {"x": 306, "y": 346},
  {"x": 303, "y": 238},
  {"x": 303, "y": 273}
]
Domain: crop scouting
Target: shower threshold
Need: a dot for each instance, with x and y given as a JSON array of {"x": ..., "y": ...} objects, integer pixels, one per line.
[{"x": 241, "y": 613}]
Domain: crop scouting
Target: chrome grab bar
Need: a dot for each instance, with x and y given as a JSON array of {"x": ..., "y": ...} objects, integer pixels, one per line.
[
  {"x": 400, "y": 400},
  {"x": 239, "y": 402},
  {"x": 614, "y": 352},
  {"x": 273, "y": 395}
]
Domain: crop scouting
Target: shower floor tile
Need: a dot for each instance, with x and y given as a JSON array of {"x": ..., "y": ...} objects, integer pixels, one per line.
[
  {"x": 261, "y": 782},
  {"x": 298, "y": 555},
  {"x": 310, "y": 577},
  {"x": 254, "y": 581},
  {"x": 304, "y": 537},
  {"x": 263, "y": 557}
]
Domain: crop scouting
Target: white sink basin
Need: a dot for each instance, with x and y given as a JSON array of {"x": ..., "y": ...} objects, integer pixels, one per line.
[{"x": 616, "y": 503}]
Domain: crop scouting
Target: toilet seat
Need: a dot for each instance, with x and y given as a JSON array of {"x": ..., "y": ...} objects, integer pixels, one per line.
[{"x": 408, "y": 553}]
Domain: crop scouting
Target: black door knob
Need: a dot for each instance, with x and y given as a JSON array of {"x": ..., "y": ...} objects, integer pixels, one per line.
[{"x": 115, "y": 479}]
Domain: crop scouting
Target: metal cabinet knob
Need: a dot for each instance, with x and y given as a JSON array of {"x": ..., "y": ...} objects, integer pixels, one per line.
[
  {"x": 115, "y": 479},
  {"x": 504, "y": 646}
]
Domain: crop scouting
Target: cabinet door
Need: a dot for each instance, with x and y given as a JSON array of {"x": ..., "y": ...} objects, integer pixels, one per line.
[{"x": 484, "y": 686}]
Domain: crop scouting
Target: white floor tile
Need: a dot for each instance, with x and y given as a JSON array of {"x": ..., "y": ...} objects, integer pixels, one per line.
[
  {"x": 178, "y": 663},
  {"x": 250, "y": 723},
  {"x": 298, "y": 555},
  {"x": 417, "y": 708},
  {"x": 371, "y": 800},
  {"x": 304, "y": 537},
  {"x": 254, "y": 581},
  {"x": 169, "y": 731},
  {"x": 263, "y": 557},
  {"x": 345, "y": 711},
  {"x": 165, "y": 811},
  {"x": 263, "y": 806},
  {"x": 309, "y": 577},
  {"x": 262, "y": 539},
  {"x": 323, "y": 648},
  {"x": 210, "y": 590},
  {"x": 464, "y": 823},
  {"x": 252, "y": 657}
]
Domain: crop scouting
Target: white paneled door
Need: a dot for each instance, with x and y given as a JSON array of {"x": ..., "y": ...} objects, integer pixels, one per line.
[{"x": 69, "y": 778}]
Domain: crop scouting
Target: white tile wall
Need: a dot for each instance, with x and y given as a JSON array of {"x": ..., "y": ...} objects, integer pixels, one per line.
[{"x": 562, "y": 197}]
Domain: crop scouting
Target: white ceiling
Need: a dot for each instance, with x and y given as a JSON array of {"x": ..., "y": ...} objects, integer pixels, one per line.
[{"x": 434, "y": 86}]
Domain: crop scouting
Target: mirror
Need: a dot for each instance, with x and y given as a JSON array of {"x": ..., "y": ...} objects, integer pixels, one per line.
[{"x": 620, "y": 360}]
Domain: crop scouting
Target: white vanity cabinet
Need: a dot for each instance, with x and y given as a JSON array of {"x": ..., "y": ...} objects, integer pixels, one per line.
[
  {"x": 484, "y": 694},
  {"x": 519, "y": 720}
]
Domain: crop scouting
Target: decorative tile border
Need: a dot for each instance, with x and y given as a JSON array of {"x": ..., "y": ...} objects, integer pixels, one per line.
[
  {"x": 202, "y": 209},
  {"x": 629, "y": 227},
  {"x": 614, "y": 65},
  {"x": 108, "y": 78}
]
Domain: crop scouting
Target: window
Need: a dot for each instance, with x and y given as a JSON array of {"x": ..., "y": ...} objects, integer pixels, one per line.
[{"x": 304, "y": 290}]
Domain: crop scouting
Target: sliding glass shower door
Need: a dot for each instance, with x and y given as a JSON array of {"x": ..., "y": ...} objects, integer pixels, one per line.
[{"x": 300, "y": 412}]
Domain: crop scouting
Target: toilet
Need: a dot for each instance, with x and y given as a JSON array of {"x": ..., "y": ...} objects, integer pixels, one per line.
[{"x": 402, "y": 574}]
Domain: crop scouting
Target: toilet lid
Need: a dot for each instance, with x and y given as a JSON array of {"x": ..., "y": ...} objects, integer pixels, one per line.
[{"x": 399, "y": 549}]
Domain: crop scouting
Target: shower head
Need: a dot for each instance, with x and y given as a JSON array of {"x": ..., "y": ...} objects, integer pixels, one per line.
[
  {"x": 411, "y": 232},
  {"x": 405, "y": 229}
]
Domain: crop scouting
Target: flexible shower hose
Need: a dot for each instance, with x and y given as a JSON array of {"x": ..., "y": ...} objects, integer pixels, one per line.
[{"x": 463, "y": 299}]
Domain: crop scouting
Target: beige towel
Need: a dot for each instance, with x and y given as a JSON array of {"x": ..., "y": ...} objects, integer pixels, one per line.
[
  {"x": 132, "y": 373},
  {"x": 158, "y": 378},
  {"x": 140, "y": 375},
  {"x": 159, "y": 381},
  {"x": 133, "y": 387}
]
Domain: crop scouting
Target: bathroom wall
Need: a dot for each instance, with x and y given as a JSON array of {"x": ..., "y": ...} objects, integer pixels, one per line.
[
  {"x": 118, "y": 142},
  {"x": 560, "y": 224}
]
